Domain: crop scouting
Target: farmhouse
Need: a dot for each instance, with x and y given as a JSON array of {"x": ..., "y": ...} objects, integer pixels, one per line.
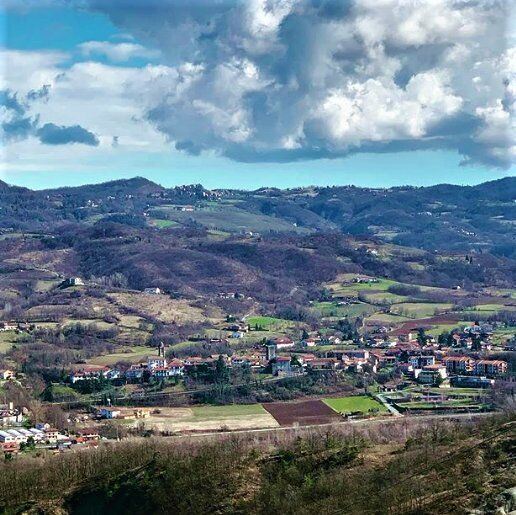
[
  {"x": 87, "y": 435},
  {"x": 89, "y": 372},
  {"x": 281, "y": 364},
  {"x": 283, "y": 342},
  {"x": 8, "y": 326},
  {"x": 72, "y": 281},
  {"x": 323, "y": 364},
  {"x": 153, "y": 291},
  {"x": 6, "y": 374},
  {"x": 311, "y": 342}
]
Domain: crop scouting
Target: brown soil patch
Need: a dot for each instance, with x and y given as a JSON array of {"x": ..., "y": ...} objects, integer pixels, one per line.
[
  {"x": 304, "y": 413},
  {"x": 425, "y": 323}
]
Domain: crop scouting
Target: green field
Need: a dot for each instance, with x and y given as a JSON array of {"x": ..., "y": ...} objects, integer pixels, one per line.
[
  {"x": 229, "y": 218},
  {"x": 352, "y": 289},
  {"x": 383, "y": 297},
  {"x": 162, "y": 223},
  {"x": 7, "y": 340},
  {"x": 491, "y": 308},
  {"x": 133, "y": 354},
  {"x": 269, "y": 323},
  {"x": 5, "y": 346},
  {"x": 362, "y": 403},
  {"x": 446, "y": 328},
  {"x": 215, "y": 235},
  {"x": 332, "y": 309},
  {"x": 386, "y": 318},
  {"x": 419, "y": 309},
  {"x": 501, "y": 335}
]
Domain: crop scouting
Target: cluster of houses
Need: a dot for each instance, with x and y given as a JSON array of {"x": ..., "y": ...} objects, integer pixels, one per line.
[
  {"x": 431, "y": 364},
  {"x": 16, "y": 326},
  {"x": 156, "y": 367},
  {"x": 9, "y": 415},
  {"x": 13, "y": 439}
]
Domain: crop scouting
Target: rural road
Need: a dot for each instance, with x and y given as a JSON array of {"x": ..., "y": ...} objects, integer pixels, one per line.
[
  {"x": 333, "y": 424},
  {"x": 381, "y": 398}
]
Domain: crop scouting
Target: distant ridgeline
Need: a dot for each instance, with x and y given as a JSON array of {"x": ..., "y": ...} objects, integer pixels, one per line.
[{"x": 447, "y": 217}]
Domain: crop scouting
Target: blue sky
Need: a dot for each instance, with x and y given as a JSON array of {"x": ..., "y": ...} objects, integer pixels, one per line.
[{"x": 126, "y": 92}]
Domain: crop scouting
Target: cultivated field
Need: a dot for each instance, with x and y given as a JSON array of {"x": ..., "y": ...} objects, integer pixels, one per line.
[
  {"x": 211, "y": 418},
  {"x": 420, "y": 309},
  {"x": 361, "y": 403},
  {"x": 303, "y": 413}
]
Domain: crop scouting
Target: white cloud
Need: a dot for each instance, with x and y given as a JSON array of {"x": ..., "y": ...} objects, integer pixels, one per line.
[
  {"x": 117, "y": 52},
  {"x": 329, "y": 78},
  {"x": 289, "y": 79}
]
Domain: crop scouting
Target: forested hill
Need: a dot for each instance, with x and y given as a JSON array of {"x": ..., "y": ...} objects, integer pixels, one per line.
[{"x": 477, "y": 218}]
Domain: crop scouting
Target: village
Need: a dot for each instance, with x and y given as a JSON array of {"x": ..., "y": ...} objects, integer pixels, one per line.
[{"x": 392, "y": 376}]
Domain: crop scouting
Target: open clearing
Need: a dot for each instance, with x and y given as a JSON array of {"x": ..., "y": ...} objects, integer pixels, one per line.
[
  {"x": 332, "y": 309},
  {"x": 134, "y": 354},
  {"x": 161, "y": 307},
  {"x": 228, "y": 218},
  {"x": 361, "y": 403},
  {"x": 385, "y": 319},
  {"x": 211, "y": 418},
  {"x": 303, "y": 413},
  {"x": 383, "y": 297},
  {"x": 420, "y": 309},
  {"x": 161, "y": 223},
  {"x": 269, "y": 323}
]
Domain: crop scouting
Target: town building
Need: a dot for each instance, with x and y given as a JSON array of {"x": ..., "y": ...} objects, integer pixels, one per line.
[
  {"x": 490, "y": 368},
  {"x": 459, "y": 364}
]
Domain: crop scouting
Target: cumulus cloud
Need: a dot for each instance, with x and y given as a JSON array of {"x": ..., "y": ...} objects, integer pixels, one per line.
[
  {"x": 52, "y": 134},
  {"x": 280, "y": 80},
  {"x": 294, "y": 79},
  {"x": 117, "y": 52},
  {"x": 16, "y": 123}
]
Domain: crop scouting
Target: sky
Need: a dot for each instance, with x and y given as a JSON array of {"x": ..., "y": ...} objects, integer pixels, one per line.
[{"x": 254, "y": 93}]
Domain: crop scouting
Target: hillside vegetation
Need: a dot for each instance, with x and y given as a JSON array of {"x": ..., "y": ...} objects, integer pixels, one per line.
[
  {"x": 438, "y": 217},
  {"x": 444, "y": 468}
]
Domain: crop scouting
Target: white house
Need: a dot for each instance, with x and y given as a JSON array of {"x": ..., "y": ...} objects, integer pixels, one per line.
[
  {"x": 110, "y": 412},
  {"x": 6, "y": 437},
  {"x": 157, "y": 361},
  {"x": 153, "y": 291}
]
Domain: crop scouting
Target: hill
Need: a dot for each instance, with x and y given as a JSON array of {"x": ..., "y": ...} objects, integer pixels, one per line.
[
  {"x": 446, "y": 468},
  {"x": 445, "y": 217}
]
